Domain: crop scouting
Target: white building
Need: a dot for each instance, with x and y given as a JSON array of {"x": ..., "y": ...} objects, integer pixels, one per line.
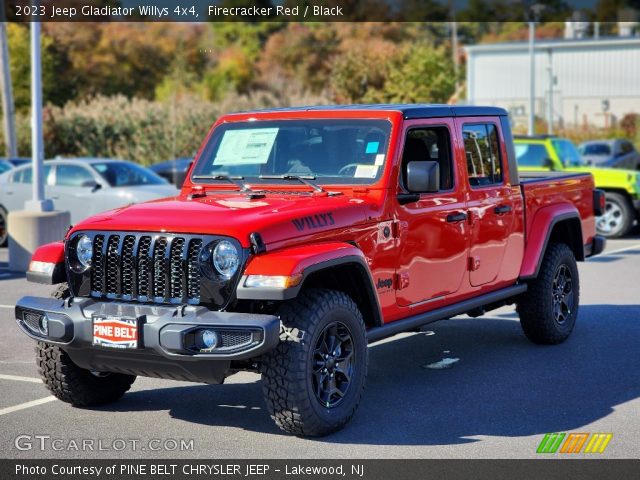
[{"x": 587, "y": 81}]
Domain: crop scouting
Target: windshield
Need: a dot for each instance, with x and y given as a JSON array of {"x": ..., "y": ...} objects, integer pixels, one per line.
[
  {"x": 123, "y": 174},
  {"x": 329, "y": 151},
  {"x": 595, "y": 149},
  {"x": 568, "y": 153}
]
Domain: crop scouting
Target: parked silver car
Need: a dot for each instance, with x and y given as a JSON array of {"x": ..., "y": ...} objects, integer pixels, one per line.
[
  {"x": 616, "y": 153},
  {"x": 83, "y": 186}
]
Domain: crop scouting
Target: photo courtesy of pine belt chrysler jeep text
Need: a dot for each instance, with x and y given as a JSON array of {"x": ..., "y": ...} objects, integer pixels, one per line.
[{"x": 300, "y": 236}]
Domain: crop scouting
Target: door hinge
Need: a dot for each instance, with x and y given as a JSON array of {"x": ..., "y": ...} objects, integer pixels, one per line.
[{"x": 474, "y": 263}]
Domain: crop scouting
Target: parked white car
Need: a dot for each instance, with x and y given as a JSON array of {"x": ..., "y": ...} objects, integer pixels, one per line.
[{"x": 83, "y": 186}]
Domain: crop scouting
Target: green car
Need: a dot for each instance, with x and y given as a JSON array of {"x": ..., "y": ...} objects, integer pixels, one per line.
[{"x": 622, "y": 187}]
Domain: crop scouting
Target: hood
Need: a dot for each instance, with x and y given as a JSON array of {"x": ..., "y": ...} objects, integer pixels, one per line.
[{"x": 276, "y": 218}]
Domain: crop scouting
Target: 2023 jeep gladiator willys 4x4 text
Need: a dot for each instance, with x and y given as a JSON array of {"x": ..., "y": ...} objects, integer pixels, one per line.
[{"x": 300, "y": 236}]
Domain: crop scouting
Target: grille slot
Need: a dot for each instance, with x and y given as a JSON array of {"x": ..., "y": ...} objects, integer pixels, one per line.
[
  {"x": 193, "y": 271},
  {"x": 32, "y": 320},
  {"x": 144, "y": 268},
  {"x": 234, "y": 338},
  {"x": 128, "y": 267},
  {"x": 132, "y": 266},
  {"x": 159, "y": 269},
  {"x": 113, "y": 266},
  {"x": 97, "y": 270},
  {"x": 177, "y": 281}
]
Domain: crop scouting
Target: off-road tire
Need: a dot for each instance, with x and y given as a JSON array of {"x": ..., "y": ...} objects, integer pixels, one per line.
[
  {"x": 536, "y": 306},
  {"x": 624, "y": 223},
  {"x": 287, "y": 377},
  {"x": 72, "y": 384}
]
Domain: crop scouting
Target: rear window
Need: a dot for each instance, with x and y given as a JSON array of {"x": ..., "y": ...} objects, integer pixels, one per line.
[
  {"x": 531, "y": 155},
  {"x": 596, "y": 149},
  {"x": 123, "y": 174}
]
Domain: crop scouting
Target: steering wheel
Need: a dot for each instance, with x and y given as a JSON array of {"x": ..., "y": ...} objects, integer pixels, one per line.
[{"x": 346, "y": 169}]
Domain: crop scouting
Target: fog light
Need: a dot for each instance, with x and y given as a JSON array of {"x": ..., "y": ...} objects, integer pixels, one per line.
[
  {"x": 209, "y": 339},
  {"x": 44, "y": 325}
]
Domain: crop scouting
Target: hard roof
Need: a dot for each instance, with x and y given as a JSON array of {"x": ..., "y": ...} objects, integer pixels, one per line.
[{"x": 409, "y": 111}]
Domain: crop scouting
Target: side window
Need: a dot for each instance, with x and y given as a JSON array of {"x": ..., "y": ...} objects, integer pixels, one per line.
[
  {"x": 626, "y": 147},
  {"x": 72, "y": 176},
  {"x": 25, "y": 175},
  {"x": 482, "y": 150},
  {"x": 429, "y": 144},
  {"x": 531, "y": 155}
]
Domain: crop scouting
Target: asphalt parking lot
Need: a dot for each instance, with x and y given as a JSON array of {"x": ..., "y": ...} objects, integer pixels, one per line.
[{"x": 497, "y": 401}]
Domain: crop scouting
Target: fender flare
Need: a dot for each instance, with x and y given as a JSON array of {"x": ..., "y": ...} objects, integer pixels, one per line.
[
  {"x": 539, "y": 234},
  {"x": 47, "y": 264},
  {"x": 305, "y": 261}
]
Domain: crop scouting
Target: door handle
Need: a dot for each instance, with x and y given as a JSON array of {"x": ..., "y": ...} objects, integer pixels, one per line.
[
  {"x": 456, "y": 217},
  {"x": 502, "y": 209}
]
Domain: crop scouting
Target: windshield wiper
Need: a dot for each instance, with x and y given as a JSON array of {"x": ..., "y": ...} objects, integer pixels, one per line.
[
  {"x": 302, "y": 179},
  {"x": 244, "y": 188}
]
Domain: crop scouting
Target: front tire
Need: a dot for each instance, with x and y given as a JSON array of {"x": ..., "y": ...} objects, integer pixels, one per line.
[
  {"x": 314, "y": 379},
  {"x": 72, "y": 384},
  {"x": 618, "y": 216},
  {"x": 549, "y": 308}
]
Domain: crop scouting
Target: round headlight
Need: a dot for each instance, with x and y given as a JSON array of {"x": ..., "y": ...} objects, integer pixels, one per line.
[
  {"x": 226, "y": 258},
  {"x": 84, "y": 251}
]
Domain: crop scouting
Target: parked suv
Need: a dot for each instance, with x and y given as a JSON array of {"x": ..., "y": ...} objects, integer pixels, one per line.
[
  {"x": 300, "y": 236},
  {"x": 622, "y": 187}
]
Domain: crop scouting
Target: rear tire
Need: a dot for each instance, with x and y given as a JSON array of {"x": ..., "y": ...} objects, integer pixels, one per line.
[
  {"x": 549, "y": 308},
  {"x": 72, "y": 384},
  {"x": 618, "y": 216},
  {"x": 314, "y": 379}
]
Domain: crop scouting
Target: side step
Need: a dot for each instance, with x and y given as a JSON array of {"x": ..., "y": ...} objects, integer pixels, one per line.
[{"x": 411, "y": 323}]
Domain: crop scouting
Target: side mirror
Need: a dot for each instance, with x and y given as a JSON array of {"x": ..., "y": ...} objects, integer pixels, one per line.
[
  {"x": 423, "y": 177},
  {"x": 92, "y": 184},
  {"x": 548, "y": 163}
]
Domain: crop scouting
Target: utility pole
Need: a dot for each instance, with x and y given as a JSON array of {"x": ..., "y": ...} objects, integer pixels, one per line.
[
  {"x": 454, "y": 44},
  {"x": 532, "y": 77},
  {"x": 9, "y": 125},
  {"x": 550, "y": 99}
]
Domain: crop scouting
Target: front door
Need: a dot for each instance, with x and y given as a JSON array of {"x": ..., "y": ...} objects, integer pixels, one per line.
[
  {"x": 491, "y": 203},
  {"x": 433, "y": 231}
]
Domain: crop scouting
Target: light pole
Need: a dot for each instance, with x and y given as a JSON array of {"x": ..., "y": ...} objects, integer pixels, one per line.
[
  {"x": 532, "y": 78},
  {"x": 11, "y": 145},
  {"x": 38, "y": 202}
]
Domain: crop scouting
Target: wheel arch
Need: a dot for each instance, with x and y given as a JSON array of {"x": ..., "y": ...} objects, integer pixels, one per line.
[
  {"x": 335, "y": 265},
  {"x": 552, "y": 226}
]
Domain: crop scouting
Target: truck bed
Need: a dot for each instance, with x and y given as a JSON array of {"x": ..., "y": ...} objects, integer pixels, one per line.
[{"x": 544, "y": 189}]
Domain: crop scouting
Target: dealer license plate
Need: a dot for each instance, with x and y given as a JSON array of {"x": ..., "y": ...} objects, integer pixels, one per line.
[{"x": 115, "y": 332}]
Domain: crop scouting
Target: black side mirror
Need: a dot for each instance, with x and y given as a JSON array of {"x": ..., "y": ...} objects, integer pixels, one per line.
[
  {"x": 92, "y": 184},
  {"x": 548, "y": 163},
  {"x": 423, "y": 177}
]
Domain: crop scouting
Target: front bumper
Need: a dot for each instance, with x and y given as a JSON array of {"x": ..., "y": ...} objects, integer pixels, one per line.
[{"x": 165, "y": 345}]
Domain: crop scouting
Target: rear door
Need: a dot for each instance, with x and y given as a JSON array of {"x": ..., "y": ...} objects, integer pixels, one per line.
[{"x": 491, "y": 201}]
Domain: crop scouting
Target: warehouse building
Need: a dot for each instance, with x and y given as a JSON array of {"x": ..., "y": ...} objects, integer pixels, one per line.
[{"x": 578, "y": 82}]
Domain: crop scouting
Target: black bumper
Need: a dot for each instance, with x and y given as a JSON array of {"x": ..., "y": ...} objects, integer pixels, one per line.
[
  {"x": 166, "y": 347},
  {"x": 596, "y": 247}
]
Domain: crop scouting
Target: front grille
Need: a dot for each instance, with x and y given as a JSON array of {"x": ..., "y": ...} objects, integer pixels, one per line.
[
  {"x": 162, "y": 269},
  {"x": 32, "y": 320}
]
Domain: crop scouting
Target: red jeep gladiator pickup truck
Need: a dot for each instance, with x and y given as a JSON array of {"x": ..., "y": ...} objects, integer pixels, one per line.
[{"x": 300, "y": 236}]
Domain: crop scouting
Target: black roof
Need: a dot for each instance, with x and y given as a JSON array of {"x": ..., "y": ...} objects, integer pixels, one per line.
[{"x": 409, "y": 111}]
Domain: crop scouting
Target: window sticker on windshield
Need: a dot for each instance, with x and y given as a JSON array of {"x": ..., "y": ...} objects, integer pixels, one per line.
[
  {"x": 246, "y": 147},
  {"x": 366, "y": 171},
  {"x": 379, "y": 159},
  {"x": 372, "y": 147}
]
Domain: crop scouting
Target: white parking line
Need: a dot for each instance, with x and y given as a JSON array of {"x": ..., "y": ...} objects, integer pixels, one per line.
[
  {"x": 615, "y": 252},
  {"x": 22, "y": 406},
  {"x": 7, "y": 306},
  {"x": 20, "y": 379}
]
